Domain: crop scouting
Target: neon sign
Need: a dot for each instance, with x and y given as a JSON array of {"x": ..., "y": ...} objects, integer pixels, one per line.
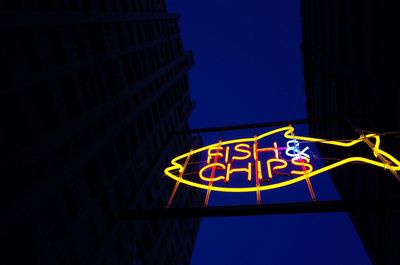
[
  {"x": 261, "y": 164},
  {"x": 220, "y": 158}
]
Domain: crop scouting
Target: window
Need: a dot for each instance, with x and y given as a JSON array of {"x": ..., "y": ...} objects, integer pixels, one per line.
[
  {"x": 110, "y": 74},
  {"x": 109, "y": 161},
  {"x": 96, "y": 38},
  {"x": 86, "y": 5},
  {"x": 15, "y": 132},
  {"x": 126, "y": 107},
  {"x": 132, "y": 179},
  {"x": 45, "y": 106},
  {"x": 57, "y": 45},
  {"x": 73, "y": 198},
  {"x": 121, "y": 193},
  {"x": 114, "y": 5},
  {"x": 101, "y": 89},
  {"x": 147, "y": 238},
  {"x": 91, "y": 239},
  {"x": 142, "y": 128},
  {"x": 125, "y": 5},
  {"x": 49, "y": 220},
  {"x": 82, "y": 139},
  {"x": 70, "y": 95},
  {"x": 137, "y": 66},
  {"x": 103, "y": 5},
  {"x": 77, "y": 38},
  {"x": 122, "y": 147},
  {"x": 133, "y": 135},
  {"x": 116, "y": 115},
  {"x": 19, "y": 239},
  {"x": 92, "y": 89},
  {"x": 129, "y": 73},
  {"x": 72, "y": 5},
  {"x": 63, "y": 152},
  {"x": 30, "y": 51},
  {"x": 108, "y": 213},
  {"x": 93, "y": 177},
  {"x": 120, "y": 34},
  {"x": 129, "y": 31},
  {"x": 99, "y": 127},
  {"x": 149, "y": 119},
  {"x": 119, "y": 247}
]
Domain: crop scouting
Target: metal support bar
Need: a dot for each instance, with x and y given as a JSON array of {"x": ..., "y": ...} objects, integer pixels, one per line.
[
  {"x": 264, "y": 209},
  {"x": 241, "y": 127}
]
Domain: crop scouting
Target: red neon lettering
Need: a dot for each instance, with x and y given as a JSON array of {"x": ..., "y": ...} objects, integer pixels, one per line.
[
  {"x": 304, "y": 162},
  {"x": 216, "y": 154},
  {"x": 210, "y": 166},
  {"x": 243, "y": 152},
  {"x": 257, "y": 150},
  {"x": 227, "y": 154},
  {"x": 239, "y": 148},
  {"x": 283, "y": 164},
  {"x": 231, "y": 170}
]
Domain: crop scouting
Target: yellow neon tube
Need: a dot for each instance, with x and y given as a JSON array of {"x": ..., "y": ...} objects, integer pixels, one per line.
[
  {"x": 288, "y": 134},
  {"x": 238, "y": 149},
  {"x": 201, "y": 175},
  {"x": 274, "y": 160}
]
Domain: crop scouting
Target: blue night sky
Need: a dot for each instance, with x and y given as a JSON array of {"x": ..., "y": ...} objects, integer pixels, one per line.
[{"x": 248, "y": 68}]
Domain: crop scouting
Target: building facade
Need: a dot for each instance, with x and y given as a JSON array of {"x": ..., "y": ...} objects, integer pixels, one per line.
[
  {"x": 351, "y": 54},
  {"x": 91, "y": 94}
]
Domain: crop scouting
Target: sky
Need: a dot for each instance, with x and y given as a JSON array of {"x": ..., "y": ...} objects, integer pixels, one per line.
[{"x": 248, "y": 69}]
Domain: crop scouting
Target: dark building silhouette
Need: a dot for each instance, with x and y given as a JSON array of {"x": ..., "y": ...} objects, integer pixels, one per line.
[
  {"x": 91, "y": 94},
  {"x": 351, "y": 56}
]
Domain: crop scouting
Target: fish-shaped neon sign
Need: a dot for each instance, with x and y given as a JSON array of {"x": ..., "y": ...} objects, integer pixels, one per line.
[{"x": 222, "y": 157}]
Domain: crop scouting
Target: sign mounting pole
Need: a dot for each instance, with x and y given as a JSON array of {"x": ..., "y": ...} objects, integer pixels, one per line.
[
  {"x": 171, "y": 197},
  {"x": 210, "y": 183},
  {"x": 257, "y": 170},
  {"x": 307, "y": 178}
]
